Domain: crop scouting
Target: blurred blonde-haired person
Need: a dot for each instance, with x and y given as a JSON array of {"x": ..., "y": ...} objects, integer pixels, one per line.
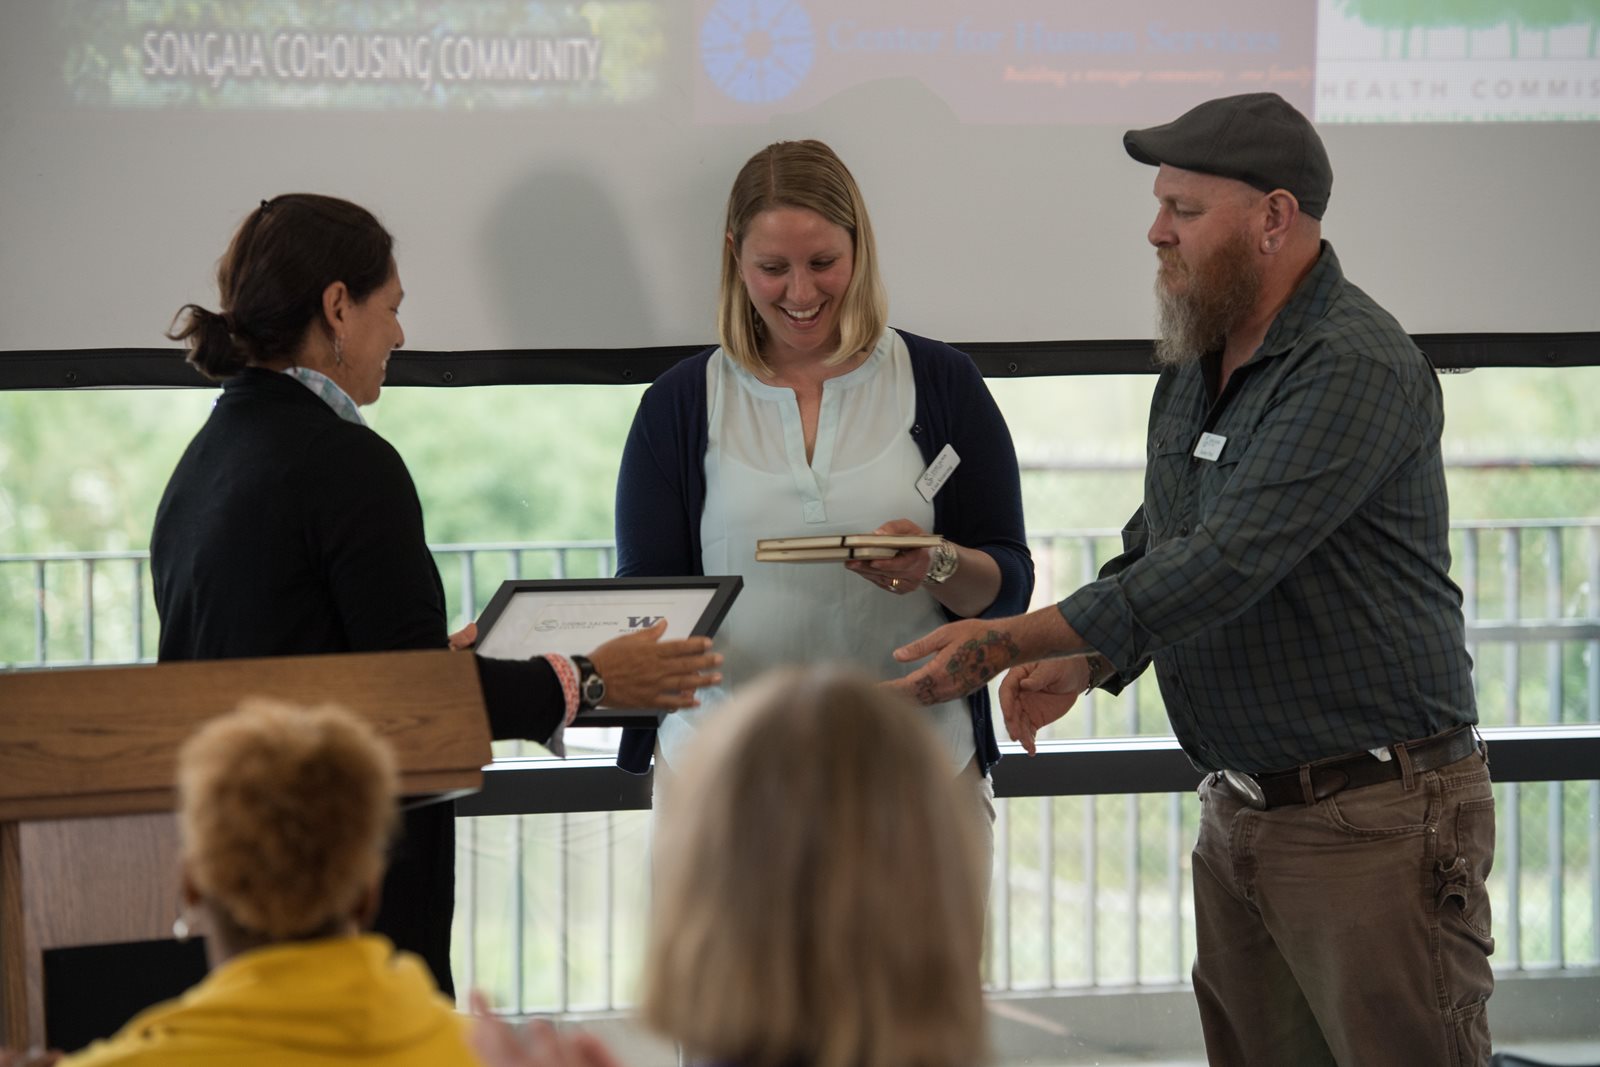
[
  {"x": 285, "y": 815},
  {"x": 808, "y": 913}
]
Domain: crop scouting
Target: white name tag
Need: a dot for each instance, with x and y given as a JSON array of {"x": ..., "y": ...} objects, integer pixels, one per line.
[
  {"x": 938, "y": 473},
  {"x": 1210, "y": 446}
]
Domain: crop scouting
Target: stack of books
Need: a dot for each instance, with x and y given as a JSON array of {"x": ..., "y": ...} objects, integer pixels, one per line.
[{"x": 835, "y": 547}]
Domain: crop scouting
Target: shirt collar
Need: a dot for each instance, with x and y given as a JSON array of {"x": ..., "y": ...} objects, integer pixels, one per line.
[
  {"x": 326, "y": 388},
  {"x": 1309, "y": 304}
]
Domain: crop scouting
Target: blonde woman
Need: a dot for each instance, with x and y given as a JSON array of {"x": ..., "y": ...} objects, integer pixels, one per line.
[
  {"x": 813, "y": 416},
  {"x": 285, "y": 815},
  {"x": 812, "y": 913}
]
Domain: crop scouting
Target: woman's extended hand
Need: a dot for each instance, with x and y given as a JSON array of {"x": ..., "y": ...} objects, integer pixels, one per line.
[
  {"x": 903, "y": 572},
  {"x": 642, "y": 671}
]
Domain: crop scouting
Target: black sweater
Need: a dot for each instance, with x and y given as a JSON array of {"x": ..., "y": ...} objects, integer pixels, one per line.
[{"x": 286, "y": 530}]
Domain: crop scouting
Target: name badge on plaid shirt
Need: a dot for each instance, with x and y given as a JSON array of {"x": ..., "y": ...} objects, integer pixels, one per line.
[{"x": 1210, "y": 446}]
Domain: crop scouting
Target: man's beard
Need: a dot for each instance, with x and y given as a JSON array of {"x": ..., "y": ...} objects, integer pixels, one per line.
[{"x": 1218, "y": 294}]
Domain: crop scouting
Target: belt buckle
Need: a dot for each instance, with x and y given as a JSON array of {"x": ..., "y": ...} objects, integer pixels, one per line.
[{"x": 1246, "y": 789}]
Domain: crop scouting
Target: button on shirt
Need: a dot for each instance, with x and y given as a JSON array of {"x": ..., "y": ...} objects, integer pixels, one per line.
[{"x": 1294, "y": 592}]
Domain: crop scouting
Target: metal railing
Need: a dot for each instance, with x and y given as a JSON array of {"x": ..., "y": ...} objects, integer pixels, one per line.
[
  {"x": 85, "y": 608},
  {"x": 1090, "y": 891}
]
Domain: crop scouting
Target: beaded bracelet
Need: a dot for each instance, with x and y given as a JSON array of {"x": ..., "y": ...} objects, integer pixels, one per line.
[{"x": 567, "y": 675}]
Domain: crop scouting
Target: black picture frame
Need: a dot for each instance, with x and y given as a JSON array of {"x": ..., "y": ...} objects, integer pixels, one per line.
[{"x": 712, "y": 594}]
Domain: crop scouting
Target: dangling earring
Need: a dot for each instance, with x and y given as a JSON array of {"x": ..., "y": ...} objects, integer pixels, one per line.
[
  {"x": 183, "y": 925},
  {"x": 338, "y": 351}
]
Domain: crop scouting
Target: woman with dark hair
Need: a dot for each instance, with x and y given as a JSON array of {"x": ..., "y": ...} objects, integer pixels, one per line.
[
  {"x": 814, "y": 416},
  {"x": 291, "y": 528}
]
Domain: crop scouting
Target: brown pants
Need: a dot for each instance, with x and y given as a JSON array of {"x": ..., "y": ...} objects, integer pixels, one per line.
[{"x": 1354, "y": 931}]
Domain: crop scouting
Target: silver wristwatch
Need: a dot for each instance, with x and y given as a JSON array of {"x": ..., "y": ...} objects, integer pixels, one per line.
[
  {"x": 1097, "y": 664},
  {"x": 943, "y": 561},
  {"x": 591, "y": 687}
]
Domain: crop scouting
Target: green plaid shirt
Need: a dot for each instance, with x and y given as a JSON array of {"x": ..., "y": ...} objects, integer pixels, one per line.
[{"x": 1294, "y": 592}]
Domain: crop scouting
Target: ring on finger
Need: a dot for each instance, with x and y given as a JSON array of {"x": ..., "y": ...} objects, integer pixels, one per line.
[{"x": 894, "y": 583}]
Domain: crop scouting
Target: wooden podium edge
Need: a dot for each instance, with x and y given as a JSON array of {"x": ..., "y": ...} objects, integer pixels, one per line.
[
  {"x": 420, "y": 787},
  {"x": 13, "y": 953},
  {"x": 421, "y": 693}
]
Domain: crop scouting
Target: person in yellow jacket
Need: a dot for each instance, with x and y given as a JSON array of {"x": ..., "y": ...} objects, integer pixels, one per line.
[{"x": 285, "y": 815}]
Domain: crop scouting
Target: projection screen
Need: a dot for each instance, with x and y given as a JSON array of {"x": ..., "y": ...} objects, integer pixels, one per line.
[{"x": 555, "y": 172}]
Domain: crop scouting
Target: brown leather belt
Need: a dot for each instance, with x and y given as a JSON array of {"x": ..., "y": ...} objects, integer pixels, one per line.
[{"x": 1326, "y": 777}]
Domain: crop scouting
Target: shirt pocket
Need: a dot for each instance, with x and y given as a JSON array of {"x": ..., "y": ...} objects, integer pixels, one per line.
[
  {"x": 1217, "y": 474},
  {"x": 1167, "y": 477}
]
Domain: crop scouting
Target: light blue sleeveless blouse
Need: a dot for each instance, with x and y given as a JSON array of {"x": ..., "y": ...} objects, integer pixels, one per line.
[{"x": 863, "y": 473}]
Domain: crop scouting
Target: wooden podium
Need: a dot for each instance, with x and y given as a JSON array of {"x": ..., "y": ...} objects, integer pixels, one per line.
[{"x": 88, "y": 842}]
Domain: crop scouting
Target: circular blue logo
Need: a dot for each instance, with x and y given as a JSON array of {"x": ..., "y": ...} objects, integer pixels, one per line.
[{"x": 757, "y": 51}]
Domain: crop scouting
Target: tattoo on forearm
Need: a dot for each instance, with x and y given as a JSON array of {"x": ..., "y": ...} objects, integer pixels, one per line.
[{"x": 980, "y": 659}]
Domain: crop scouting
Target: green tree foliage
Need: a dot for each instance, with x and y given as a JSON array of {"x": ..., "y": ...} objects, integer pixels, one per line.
[
  {"x": 83, "y": 471},
  {"x": 514, "y": 464},
  {"x": 1406, "y": 16}
]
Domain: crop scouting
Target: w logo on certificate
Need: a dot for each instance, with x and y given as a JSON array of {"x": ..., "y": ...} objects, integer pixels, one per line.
[{"x": 532, "y": 617}]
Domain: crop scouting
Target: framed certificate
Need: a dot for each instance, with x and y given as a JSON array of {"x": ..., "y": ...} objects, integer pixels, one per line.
[{"x": 529, "y": 617}]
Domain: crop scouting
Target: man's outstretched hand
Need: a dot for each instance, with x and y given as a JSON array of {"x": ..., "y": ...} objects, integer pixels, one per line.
[
  {"x": 1034, "y": 695},
  {"x": 966, "y": 655}
]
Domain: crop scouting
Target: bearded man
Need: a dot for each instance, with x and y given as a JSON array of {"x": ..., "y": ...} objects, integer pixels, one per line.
[{"x": 1287, "y": 576}]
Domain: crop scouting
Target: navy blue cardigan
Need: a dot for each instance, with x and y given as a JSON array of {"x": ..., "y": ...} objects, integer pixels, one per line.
[{"x": 661, "y": 491}]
